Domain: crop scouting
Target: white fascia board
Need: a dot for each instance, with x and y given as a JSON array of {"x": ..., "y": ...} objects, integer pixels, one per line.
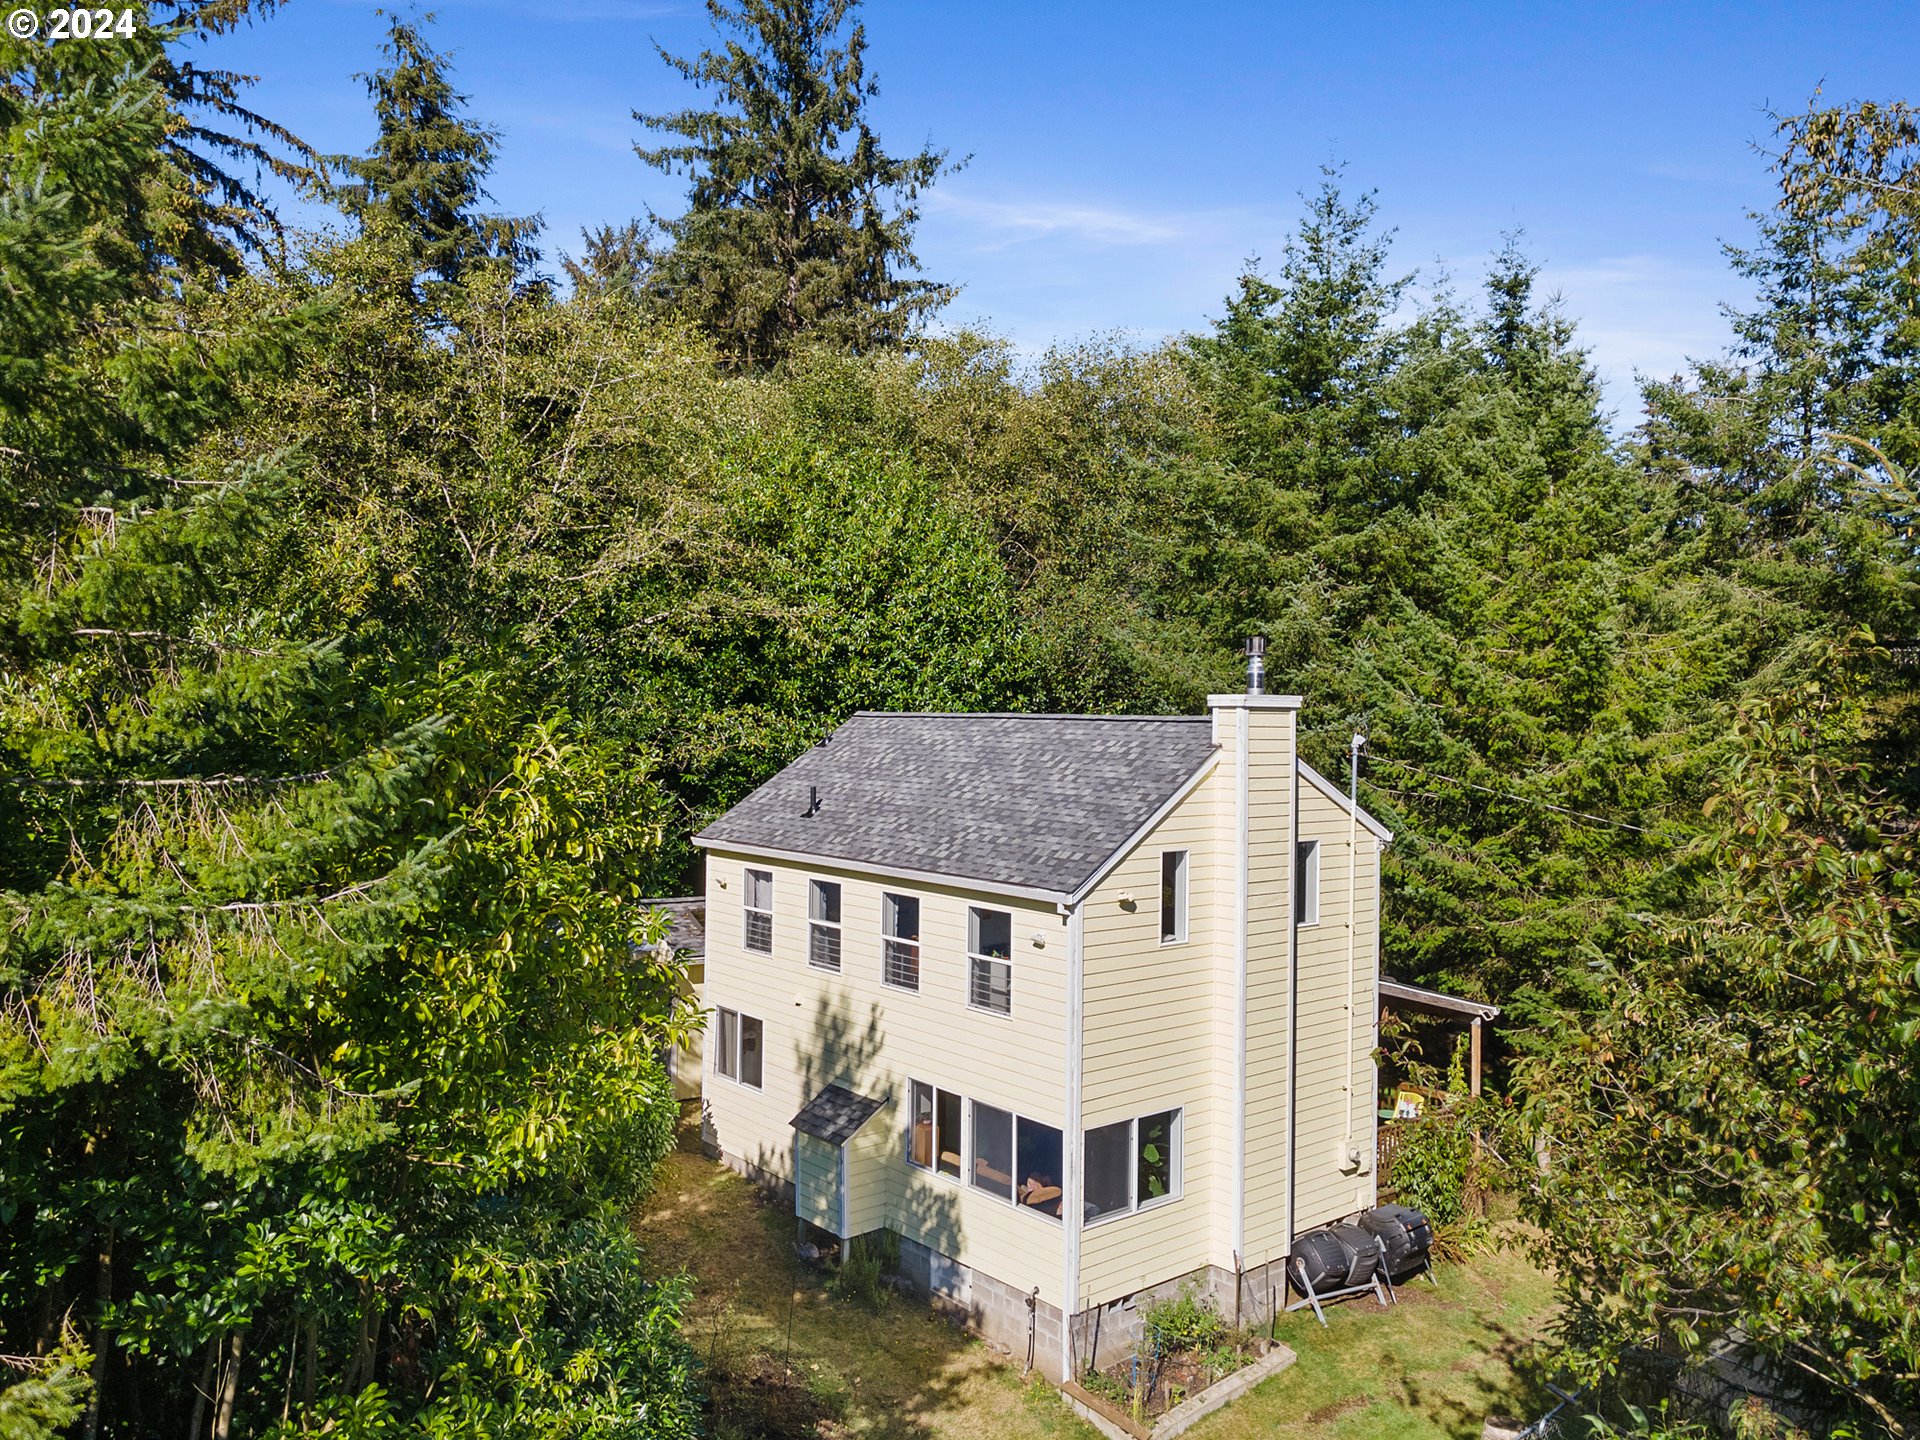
[
  {"x": 1254, "y": 702},
  {"x": 1127, "y": 846},
  {"x": 885, "y": 872},
  {"x": 1339, "y": 797}
]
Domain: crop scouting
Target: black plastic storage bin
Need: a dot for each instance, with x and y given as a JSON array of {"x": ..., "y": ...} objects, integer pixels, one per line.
[
  {"x": 1319, "y": 1261},
  {"x": 1407, "y": 1235},
  {"x": 1363, "y": 1252}
]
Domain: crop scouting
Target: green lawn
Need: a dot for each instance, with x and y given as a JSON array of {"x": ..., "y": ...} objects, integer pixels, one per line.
[{"x": 789, "y": 1361}]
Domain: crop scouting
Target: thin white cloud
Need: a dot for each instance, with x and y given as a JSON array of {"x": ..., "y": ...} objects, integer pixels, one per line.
[{"x": 1011, "y": 221}]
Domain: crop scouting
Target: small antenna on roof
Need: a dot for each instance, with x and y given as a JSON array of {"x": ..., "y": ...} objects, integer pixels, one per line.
[{"x": 1256, "y": 653}]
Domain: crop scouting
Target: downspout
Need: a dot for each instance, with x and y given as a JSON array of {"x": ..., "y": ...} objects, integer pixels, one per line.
[
  {"x": 1293, "y": 974},
  {"x": 1072, "y": 1211},
  {"x": 1237, "y": 1218}
]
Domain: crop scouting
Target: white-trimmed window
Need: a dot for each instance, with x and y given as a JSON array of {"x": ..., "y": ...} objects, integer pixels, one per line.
[
  {"x": 900, "y": 941},
  {"x": 1017, "y": 1159},
  {"x": 757, "y": 904},
  {"x": 740, "y": 1047},
  {"x": 823, "y": 924},
  {"x": 1132, "y": 1164},
  {"x": 1306, "y": 880},
  {"x": 1173, "y": 897},
  {"x": 934, "y": 1141},
  {"x": 990, "y": 960}
]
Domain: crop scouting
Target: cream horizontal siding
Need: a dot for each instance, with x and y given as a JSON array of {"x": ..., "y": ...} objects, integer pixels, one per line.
[
  {"x": 1269, "y": 927},
  {"x": 1150, "y": 1026},
  {"x": 851, "y": 1028},
  {"x": 817, "y": 1183},
  {"x": 873, "y": 1160},
  {"x": 1336, "y": 1078}
]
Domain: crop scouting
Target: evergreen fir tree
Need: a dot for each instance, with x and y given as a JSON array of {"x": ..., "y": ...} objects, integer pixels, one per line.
[
  {"x": 425, "y": 178},
  {"x": 798, "y": 223}
]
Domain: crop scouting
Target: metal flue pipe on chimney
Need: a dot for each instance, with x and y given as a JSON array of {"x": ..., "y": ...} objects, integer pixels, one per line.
[{"x": 1256, "y": 665}]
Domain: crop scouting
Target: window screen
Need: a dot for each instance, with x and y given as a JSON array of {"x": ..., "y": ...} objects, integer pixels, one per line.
[
  {"x": 993, "y": 1150},
  {"x": 725, "y": 1057},
  {"x": 750, "y": 1051},
  {"x": 758, "y": 905},
  {"x": 1109, "y": 1169},
  {"x": 1037, "y": 1166},
  {"x": 920, "y": 1137},
  {"x": 946, "y": 1124},
  {"x": 900, "y": 929},
  {"x": 823, "y": 930},
  {"x": 1154, "y": 1177}
]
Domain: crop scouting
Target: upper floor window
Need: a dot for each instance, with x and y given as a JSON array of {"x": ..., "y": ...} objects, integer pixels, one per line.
[
  {"x": 758, "y": 904},
  {"x": 823, "y": 924},
  {"x": 1132, "y": 1163},
  {"x": 1173, "y": 896},
  {"x": 1306, "y": 881},
  {"x": 900, "y": 940},
  {"x": 989, "y": 960}
]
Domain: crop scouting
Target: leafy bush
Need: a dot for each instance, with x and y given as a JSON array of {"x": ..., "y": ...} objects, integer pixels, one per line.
[
  {"x": 1431, "y": 1168},
  {"x": 1185, "y": 1323},
  {"x": 867, "y": 1259}
]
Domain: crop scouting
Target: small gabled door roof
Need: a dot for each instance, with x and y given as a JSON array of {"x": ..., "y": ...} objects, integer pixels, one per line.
[{"x": 835, "y": 1115}]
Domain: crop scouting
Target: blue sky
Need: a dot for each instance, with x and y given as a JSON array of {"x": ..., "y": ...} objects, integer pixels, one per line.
[{"x": 1127, "y": 158}]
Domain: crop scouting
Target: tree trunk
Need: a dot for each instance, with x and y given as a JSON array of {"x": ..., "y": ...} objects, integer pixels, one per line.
[
  {"x": 202, "y": 1391},
  {"x": 313, "y": 1362},
  {"x": 102, "y": 1347},
  {"x": 229, "y": 1386}
]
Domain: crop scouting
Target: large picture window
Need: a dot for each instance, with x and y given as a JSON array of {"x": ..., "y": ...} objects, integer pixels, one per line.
[
  {"x": 989, "y": 960},
  {"x": 1131, "y": 1164},
  {"x": 739, "y": 1049},
  {"x": 1173, "y": 896},
  {"x": 900, "y": 941},
  {"x": 823, "y": 925},
  {"x": 757, "y": 904},
  {"x": 1306, "y": 879}
]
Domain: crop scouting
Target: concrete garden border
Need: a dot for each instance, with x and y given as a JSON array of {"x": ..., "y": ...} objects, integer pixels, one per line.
[{"x": 1118, "y": 1425}]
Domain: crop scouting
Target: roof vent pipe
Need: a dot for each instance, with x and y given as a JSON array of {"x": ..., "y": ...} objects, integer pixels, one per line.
[{"x": 1256, "y": 665}]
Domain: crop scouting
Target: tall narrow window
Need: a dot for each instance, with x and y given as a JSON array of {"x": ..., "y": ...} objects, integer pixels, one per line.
[
  {"x": 993, "y": 1150},
  {"x": 1173, "y": 896},
  {"x": 920, "y": 1135},
  {"x": 946, "y": 1136},
  {"x": 750, "y": 1048},
  {"x": 989, "y": 957},
  {"x": 900, "y": 941},
  {"x": 823, "y": 925},
  {"x": 1306, "y": 881},
  {"x": 1155, "y": 1177},
  {"x": 758, "y": 904},
  {"x": 726, "y": 1057}
]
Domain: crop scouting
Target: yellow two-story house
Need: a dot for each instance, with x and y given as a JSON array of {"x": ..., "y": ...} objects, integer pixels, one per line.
[{"x": 1080, "y": 1007}]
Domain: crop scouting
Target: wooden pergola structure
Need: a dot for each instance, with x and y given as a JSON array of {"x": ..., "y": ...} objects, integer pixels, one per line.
[{"x": 1437, "y": 1002}]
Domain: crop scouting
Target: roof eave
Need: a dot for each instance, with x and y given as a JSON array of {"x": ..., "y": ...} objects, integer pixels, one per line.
[{"x": 976, "y": 883}]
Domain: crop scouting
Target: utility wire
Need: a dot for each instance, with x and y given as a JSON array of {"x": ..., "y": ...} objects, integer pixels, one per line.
[{"x": 1509, "y": 795}]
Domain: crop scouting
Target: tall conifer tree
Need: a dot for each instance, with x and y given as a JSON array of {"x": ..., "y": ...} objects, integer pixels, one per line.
[
  {"x": 424, "y": 181},
  {"x": 798, "y": 222}
]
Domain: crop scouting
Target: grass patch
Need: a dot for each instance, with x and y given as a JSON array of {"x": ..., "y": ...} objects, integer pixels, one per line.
[
  {"x": 789, "y": 1361},
  {"x": 1435, "y": 1365}
]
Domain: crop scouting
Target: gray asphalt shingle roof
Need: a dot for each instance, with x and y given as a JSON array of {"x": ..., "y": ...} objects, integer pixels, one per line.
[
  {"x": 1029, "y": 801},
  {"x": 835, "y": 1114}
]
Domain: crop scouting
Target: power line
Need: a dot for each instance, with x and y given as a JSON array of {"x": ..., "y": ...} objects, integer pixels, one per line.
[{"x": 1509, "y": 795}]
